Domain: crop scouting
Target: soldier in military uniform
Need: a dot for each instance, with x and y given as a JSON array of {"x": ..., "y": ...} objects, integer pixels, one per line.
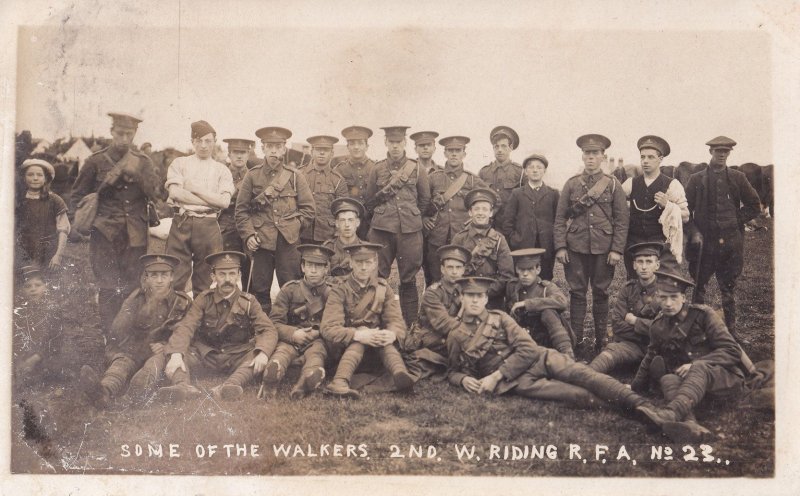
[
  {"x": 503, "y": 175},
  {"x": 297, "y": 314},
  {"x": 199, "y": 188},
  {"x": 537, "y": 304},
  {"x": 721, "y": 202},
  {"x": 398, "y": 193},
  {"x": 634, "y": 310},
  {"x": 439, "y": 314},
  {"x": 691, "y": 355},
  {"x": 531, "y": 212},
  {"x": 590, "y": 230},
  {"x": 447, "y": 213},
  {"x": 225, "y": 330},
  {"x": 274, "y": 200},
  {"x": 355, "y": 169},
  {"x": 650, "y": 194},
  {"x": 239, "y": 151},
  {"x": 362, "y": 315},
  {"x": 326, "y": 185},
  {"x": 491, "y": 256},
  {"x": 141, "y": 329},
  {"x": 124, "y": 180},
  {"x": 348, "y": 213},
  {"x": 425, "y": 146},
  {"x": 489, "y": 353}
]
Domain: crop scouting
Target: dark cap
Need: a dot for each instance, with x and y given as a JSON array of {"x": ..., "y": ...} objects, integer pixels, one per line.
[
  {"x": 345, "y": 204},
  {"x": 423, "y": 137},
  {"x": 158, "y": 261},
  {"x": 454, "y": 142},
  {"x": 356, "y": 133},
  {"x": 315, "y": 253},
  {"x": 395, "y": 132},
  {"x": 654, "y": 142},
  {"x": 29, "y": 272},
  {"x": 480, "y": 194},
  {"x": 454, "y": 252},
  {"x": 721, "y": 142},
  {"x": 504, "y": 132},
  {"x": 671, "y": 283},
  {"x": 322, "y": 141},
  {"x": 225, "y": 260},
  {"x": 535, "y": 156},
  {"x": 646, "y": 249},
  {"x": 124, "y": 120},
  {"x": 201, "y": 128},
  {"x": 527, "y": 258},
  {"x": 475, "y": 284},
  {"x": 273, "y": 134},
  {"x": 44, "y": 164},
  {"x": 363, "y": 251},
  {"x": 239, "y": 144},
  {"x": 589, "y": 142}
]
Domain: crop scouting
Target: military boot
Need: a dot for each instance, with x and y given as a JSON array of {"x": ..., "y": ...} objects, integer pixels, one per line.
[
  {"x": 689, "y": 430},
  {"x": 89, "y": 383},
  {"x": 577, "y": 315},
  {"x": 309, "y": 381},
  {"x": 178, "y": 392},
  {"x": 600, "y": 313},
  {"x": 393, "y": 361},
  {"x": 227, "y": 392},
  {"x": 273, "y": 375},
  {"x": 409, "y": 302},
  {"x": 351, "y": 358}
]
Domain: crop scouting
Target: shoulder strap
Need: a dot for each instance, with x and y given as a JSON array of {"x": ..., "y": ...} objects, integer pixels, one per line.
[
  {"x": 455, "y": 187},
  {"x": 598, "y": 188},
  {"x": 407, "y": 169},
  {"x": 380, "y": 296}
]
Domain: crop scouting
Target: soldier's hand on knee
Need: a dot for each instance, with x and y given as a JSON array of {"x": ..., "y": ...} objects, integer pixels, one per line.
[
  {"x": 630, "y": 318},
  {"x": 387, "y": 337},
  {"x": 368, "y": 337},
  {"x": 471, "y": 384},
  {"x": 613, "y": 258},
  {"x": 259, "y": 362},
  {"x": 301, "y": 337},
  {"x": 683, "y": 369},
  {"x": 562, "y": 256},
  {"x": 175, "y": 362}
]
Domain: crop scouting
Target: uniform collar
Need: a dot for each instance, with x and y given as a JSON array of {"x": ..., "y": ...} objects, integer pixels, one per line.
[
  {"x": 476, "y": 319},
  {"x": 218, "y": 296},
  {"x": 270, "y": 168},
  {"x": 457, "y": 168},
  {"x": 484, "y": 230},
  {"x": 358, "y": 286},
  {"x": 396, "y": 163},
  {"x": 532, "y": 285}
]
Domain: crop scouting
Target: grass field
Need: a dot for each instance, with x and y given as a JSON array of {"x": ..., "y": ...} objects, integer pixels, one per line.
[{"x": 385, "y": 433}]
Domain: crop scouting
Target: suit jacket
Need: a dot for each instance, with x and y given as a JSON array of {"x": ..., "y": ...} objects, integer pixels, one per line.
[
  {"x": 744, "y": 198},
  {"x": 529, "y": 216}
]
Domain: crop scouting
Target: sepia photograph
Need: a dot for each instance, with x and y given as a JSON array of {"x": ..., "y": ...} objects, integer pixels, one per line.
[{"x": 455, "y": 246}]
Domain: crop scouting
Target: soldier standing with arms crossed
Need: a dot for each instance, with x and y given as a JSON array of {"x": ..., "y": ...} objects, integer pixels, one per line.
[
  {"x": 590, "y": 230},
  {"x": 398, "y": 192}
]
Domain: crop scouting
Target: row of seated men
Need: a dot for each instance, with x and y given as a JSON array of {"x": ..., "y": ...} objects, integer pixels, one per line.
[{"x": 333, "y": 323}]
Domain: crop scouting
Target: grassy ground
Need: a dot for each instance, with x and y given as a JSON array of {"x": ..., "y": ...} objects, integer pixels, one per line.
[{"x": 62, "y": 434}]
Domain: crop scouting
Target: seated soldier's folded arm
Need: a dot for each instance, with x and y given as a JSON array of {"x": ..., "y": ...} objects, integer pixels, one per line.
[
  {"x": 392, "y": 316},
  {"x": 266, "y": 333},
  {"x": 332, "y": 327},
  {"x": 455, "y": 366},
  {"x": 437, "y": 314},
  {"x": 279, "y": 315},
  {"x": 553, "y": 299},
  {"x": 525, "y": 350},
  {"x": 184, "y": 330}
]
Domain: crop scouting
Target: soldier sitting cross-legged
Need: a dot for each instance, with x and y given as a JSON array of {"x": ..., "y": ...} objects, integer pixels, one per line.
[{"x": 297, "y": 313}]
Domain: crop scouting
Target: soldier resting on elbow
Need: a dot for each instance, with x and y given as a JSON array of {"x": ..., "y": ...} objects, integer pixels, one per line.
[{"x": 297, "y": 313}]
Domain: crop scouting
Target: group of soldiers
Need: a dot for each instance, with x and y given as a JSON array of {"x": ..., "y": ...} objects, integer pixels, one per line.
[{"x": 490, "y": 319}]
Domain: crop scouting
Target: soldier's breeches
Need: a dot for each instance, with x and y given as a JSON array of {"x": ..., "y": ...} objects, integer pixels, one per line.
[
  {"x": 351, "y": 358},
  {"x": 116, "y": 271},
  {"x": 616, "y": 355},
  {"x": 611, "y": 390},
  {"x": 600, "y": 313},
  {"x": 116, "y": 376},
  {"x": 284, "y": 263},
  {"x": 702, "y": 379},
  {"x": 146, "y": 379},
  {"x": 559, "y": 337},
  {"x": 405, "y": 247},
  {"x": 191, "y": 240},
  {"x": 541, "y": 388},
  {"x": 391, "y": 359},
  {"x": 409, "y": 302},
  {"x": 723, "y": 256}
]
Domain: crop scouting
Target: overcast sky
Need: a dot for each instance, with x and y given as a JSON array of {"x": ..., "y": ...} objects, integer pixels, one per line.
[{"x": 549, "y": 85}]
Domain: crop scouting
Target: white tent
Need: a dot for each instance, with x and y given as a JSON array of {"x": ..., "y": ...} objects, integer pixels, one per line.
[
  {"x": 78, "y": 151},
  {"x": 41, "y": 146}
]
